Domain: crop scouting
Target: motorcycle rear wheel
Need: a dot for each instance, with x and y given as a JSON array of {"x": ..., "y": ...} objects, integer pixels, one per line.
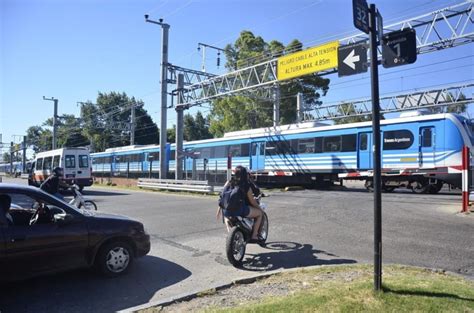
[
  {"x": 263, "y": 233},
  {"x": 235, "y": 246}
]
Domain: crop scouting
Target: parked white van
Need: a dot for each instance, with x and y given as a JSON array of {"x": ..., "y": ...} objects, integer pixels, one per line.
[{"x": 75, "y": 162}]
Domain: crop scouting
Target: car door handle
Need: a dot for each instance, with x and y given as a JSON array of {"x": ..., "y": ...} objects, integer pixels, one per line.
[{"x": 18, "y": 238}]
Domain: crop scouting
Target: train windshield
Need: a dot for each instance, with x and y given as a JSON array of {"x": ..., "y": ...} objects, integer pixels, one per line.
[{"x": 469, "y": 124}]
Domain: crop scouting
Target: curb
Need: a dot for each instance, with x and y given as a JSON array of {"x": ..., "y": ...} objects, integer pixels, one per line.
[
  {"x": 241, "y": 281},
  {"x": 194, "y": 294}
]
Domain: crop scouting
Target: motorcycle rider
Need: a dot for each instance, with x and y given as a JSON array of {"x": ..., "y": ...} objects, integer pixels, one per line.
[
  {"x": 52, "y": 183},
  {"x": 250, "y": 207}
]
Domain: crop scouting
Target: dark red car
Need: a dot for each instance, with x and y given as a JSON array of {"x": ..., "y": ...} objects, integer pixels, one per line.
[{"x": 41, "y": 234}]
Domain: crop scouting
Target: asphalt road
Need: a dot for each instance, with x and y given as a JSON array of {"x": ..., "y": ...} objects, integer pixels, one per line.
[{"x": 308, "y": 227}]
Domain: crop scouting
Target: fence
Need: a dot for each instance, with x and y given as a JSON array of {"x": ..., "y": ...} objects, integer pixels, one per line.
[
  {"x": 178, "y": 185},
  {"x": 215, "y": 173}
]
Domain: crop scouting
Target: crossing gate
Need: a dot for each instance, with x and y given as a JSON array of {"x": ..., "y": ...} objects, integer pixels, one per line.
[{"x": 467, "y": 179}]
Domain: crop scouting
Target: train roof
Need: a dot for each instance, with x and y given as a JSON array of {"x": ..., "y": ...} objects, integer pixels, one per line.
[{"x": 293, "y": 129}]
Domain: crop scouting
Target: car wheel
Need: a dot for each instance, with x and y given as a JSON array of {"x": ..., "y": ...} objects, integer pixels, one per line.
[{"x": 115, "y": 258}]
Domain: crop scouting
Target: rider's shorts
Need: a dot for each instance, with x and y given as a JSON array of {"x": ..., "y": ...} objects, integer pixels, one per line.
[{"x": 243, "y": 211}]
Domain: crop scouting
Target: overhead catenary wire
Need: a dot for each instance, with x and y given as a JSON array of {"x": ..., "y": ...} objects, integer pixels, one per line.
[{"x": 322, "y": 39}]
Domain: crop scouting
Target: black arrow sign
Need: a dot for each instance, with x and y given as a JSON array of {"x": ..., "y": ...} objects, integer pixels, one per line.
[{"x": 352, "y": 59}]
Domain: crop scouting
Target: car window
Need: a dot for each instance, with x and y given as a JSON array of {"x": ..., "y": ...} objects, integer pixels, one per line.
[
  {"x": 21, "y": 200},
  {"x": 56, "y": 161},
  {"x": 70, "y": 161},
  {"x": 23, "y": 208},
  {"x": 83, "y": 161}
]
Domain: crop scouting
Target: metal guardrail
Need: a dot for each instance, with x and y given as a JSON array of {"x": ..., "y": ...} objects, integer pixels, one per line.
[{"x": 178, "y": 185}]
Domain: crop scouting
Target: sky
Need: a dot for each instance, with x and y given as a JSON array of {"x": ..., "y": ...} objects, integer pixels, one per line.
[{"x": 73, "y": 49}]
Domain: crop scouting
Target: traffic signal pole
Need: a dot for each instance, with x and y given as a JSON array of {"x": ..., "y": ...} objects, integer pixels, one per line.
[{"x": 377, "y": 180}]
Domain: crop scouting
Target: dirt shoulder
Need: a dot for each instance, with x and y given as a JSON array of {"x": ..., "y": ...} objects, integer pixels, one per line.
[{"x": 305, "y": 281}]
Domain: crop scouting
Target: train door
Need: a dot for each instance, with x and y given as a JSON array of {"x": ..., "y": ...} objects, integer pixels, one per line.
[
  {"x": 364, "y": 157},
  {"x": 257, "y": 156},
  {"x": 427, "y": 147}
]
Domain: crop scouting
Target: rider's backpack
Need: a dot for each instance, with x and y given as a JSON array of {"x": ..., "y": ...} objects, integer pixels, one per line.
[{"x": 231, "y": 198}]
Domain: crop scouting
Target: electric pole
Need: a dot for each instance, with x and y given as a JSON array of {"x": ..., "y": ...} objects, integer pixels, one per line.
[
  {"x": 132, "y": 126},
  {"x": 179, "y": 129},
  {"x": 55, "y": 117},
  {"x": 299, "y": 107},
  {"x": 164, "y": 91},
  {"x": 276, "y": 105},
  {"x": 23, "y": 157}
]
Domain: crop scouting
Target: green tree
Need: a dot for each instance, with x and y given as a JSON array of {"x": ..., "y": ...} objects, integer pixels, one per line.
[
  {"x": 458, "y": 108},
  {"x": 196, "y": 128},
  {"x": 70, "y": 133},
  {"x": 348, "y": 109},
  {"x": 242, "y": 112},
  {"x": 16, "y": 157},
  {"x": 107, "y": 122},
  {"x": 171, "y": 134},
  {"x": 39, "y": 139}
]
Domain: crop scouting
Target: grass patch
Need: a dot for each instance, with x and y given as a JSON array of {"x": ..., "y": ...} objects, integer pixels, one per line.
[{"x": 350, "y": 289}]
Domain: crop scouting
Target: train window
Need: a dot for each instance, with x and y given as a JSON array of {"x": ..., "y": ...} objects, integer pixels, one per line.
[
  {"x": 270, "y": 149},
  {"x": 220, "y": 152},
  {"x": 294, "y": 146},
  {"x": 56, "y": 161},
  {"x": 244, "y": 148},
  {"x": 363, "y": 142},
  {"x": 155, "y": 156},
  {"x": 137, "y": 157},
  {"x": 234, "y": 150},
  {"x": 83, "y": 161},
  {"x": 348, "y": 143},
  {"x": 70, "y": 161},
  {"x": 47, "y": 163},
  {"x": 172, "y": 155},
  {"x": 101, "y": 160},
  {"x": 306, "y": 145},
  {"x": 332, "y": 144},
  {"x": 397, "y": 139},
  {"x": 205, "y": 153},
  {"x": 426, "y": 137},
  {"x": 283, "y": 147},
  {"x": 39, "y": 164},
  {"x": 318, "y": 145}
]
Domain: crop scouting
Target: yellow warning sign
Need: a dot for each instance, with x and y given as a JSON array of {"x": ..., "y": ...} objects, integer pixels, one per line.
[{"x": 309, "y": 61}]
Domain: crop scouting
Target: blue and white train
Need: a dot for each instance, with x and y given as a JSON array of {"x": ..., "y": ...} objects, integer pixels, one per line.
[
  {"x": 421, "y": 152},
  {"x": 16, "y": 170}
]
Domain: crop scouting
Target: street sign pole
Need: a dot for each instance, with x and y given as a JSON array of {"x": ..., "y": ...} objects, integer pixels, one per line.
[{"x": 376, "y": 150}]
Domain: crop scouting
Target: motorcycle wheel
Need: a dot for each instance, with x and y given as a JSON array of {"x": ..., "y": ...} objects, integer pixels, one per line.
[
  {"x": 90, "y": 205},
  {"x": 263, "y": 233},
  {"x": 235, "y": 246}
]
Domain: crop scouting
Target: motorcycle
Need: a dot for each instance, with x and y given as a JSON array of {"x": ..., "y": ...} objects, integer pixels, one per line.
[
  {"x": 240, "y": 232},
  {"x": 79, "y": 201}
]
